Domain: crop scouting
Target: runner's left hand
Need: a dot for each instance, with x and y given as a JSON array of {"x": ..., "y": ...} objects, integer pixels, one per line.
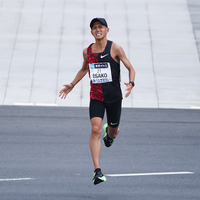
[{"x": 129, "y": 87}]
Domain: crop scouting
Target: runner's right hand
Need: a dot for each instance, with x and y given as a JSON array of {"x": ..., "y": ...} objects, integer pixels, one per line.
[{"x": 64, "y": 92}]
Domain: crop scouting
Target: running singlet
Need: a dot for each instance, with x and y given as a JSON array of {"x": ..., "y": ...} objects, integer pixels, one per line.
[{"x": 104, "y": 73}]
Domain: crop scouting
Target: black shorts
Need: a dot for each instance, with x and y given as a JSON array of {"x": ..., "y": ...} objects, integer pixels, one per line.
[{"x": 113, "y": 111}]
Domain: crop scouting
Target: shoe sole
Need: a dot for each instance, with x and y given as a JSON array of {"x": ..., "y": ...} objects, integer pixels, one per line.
[{"x": 104, "y": 128}]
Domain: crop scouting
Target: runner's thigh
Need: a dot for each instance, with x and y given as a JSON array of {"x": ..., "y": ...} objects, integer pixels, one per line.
[
  {"x": 96, "y": 109},
  {"x": 113, "y": 111}
]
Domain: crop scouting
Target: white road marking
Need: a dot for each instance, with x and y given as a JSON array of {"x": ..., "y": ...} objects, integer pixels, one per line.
[
  {"x": 195, "y": 107},
  {"x": 36, "y": 104},
  {"x": 16, "y": 179},
  {"x": 149, "y": 174}
]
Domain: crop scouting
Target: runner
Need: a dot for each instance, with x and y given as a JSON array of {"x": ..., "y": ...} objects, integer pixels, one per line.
[{"x": 102, "y": 61}]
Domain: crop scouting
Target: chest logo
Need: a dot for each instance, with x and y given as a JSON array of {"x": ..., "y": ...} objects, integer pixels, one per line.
[{"x": 102, "y": 56}]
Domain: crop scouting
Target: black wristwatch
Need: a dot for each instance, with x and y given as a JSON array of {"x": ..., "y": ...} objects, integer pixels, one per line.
[{"x": 133, "y": 84}]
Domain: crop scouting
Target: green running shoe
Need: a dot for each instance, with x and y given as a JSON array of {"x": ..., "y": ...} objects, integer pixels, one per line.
[
  {"x": 98, "y": 177},
  {"x": 107, "y": 140}
]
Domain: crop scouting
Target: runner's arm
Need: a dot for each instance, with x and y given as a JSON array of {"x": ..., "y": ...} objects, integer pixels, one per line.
[
  {"x": 81, "y": 73},
  {"x": 122, "y": 56}
]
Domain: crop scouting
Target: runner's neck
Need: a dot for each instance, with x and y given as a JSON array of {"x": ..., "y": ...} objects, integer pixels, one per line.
[{"x": 99, "y": 46}]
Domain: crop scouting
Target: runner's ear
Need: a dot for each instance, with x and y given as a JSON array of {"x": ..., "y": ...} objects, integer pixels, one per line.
[
  {"x": 107, "y": 30},
  {"x": 91, "y": 32}
]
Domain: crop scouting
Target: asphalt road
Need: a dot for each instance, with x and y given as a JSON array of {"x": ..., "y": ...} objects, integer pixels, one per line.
[{"x": 44, "y": 155}]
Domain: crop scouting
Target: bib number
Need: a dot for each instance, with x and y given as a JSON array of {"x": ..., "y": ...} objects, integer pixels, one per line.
[{"x": 100, "y": 72}]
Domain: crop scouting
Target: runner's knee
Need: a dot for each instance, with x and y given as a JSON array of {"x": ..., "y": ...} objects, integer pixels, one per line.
[{"x": 96, "y": 131}]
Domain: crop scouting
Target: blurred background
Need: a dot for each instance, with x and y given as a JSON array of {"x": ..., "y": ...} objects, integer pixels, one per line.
[{"x": 41, "y": 45}]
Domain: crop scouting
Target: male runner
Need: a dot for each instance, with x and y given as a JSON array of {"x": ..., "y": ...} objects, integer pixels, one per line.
[{"x": 102, "y": 61}]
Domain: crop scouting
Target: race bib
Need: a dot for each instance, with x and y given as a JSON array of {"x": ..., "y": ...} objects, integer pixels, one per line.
[{"x": 100, "y": 72}]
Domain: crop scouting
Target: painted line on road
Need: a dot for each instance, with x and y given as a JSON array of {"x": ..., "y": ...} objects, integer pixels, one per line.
[
  {"x": 16, "y": 179},
  {"x": 195, "y": 107},
  {"x": 36, "y": 104},
  {"x": 149, "y": 174}
]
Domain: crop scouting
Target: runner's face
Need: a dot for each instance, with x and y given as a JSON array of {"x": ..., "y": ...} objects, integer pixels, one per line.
[{"x": 99, "y": 31}]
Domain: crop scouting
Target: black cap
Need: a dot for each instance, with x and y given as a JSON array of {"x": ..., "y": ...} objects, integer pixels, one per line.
[{"x": 97, "y": 19}]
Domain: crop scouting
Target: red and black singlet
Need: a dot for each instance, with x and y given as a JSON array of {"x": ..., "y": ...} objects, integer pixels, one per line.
[{"x": 107, "y": 92}]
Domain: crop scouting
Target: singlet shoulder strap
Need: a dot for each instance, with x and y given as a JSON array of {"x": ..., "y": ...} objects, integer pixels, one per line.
[
  {"x": 108, "y": 46},
  {"x": 90, "y": 46},
  {"x": 89, "y": 50}
]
